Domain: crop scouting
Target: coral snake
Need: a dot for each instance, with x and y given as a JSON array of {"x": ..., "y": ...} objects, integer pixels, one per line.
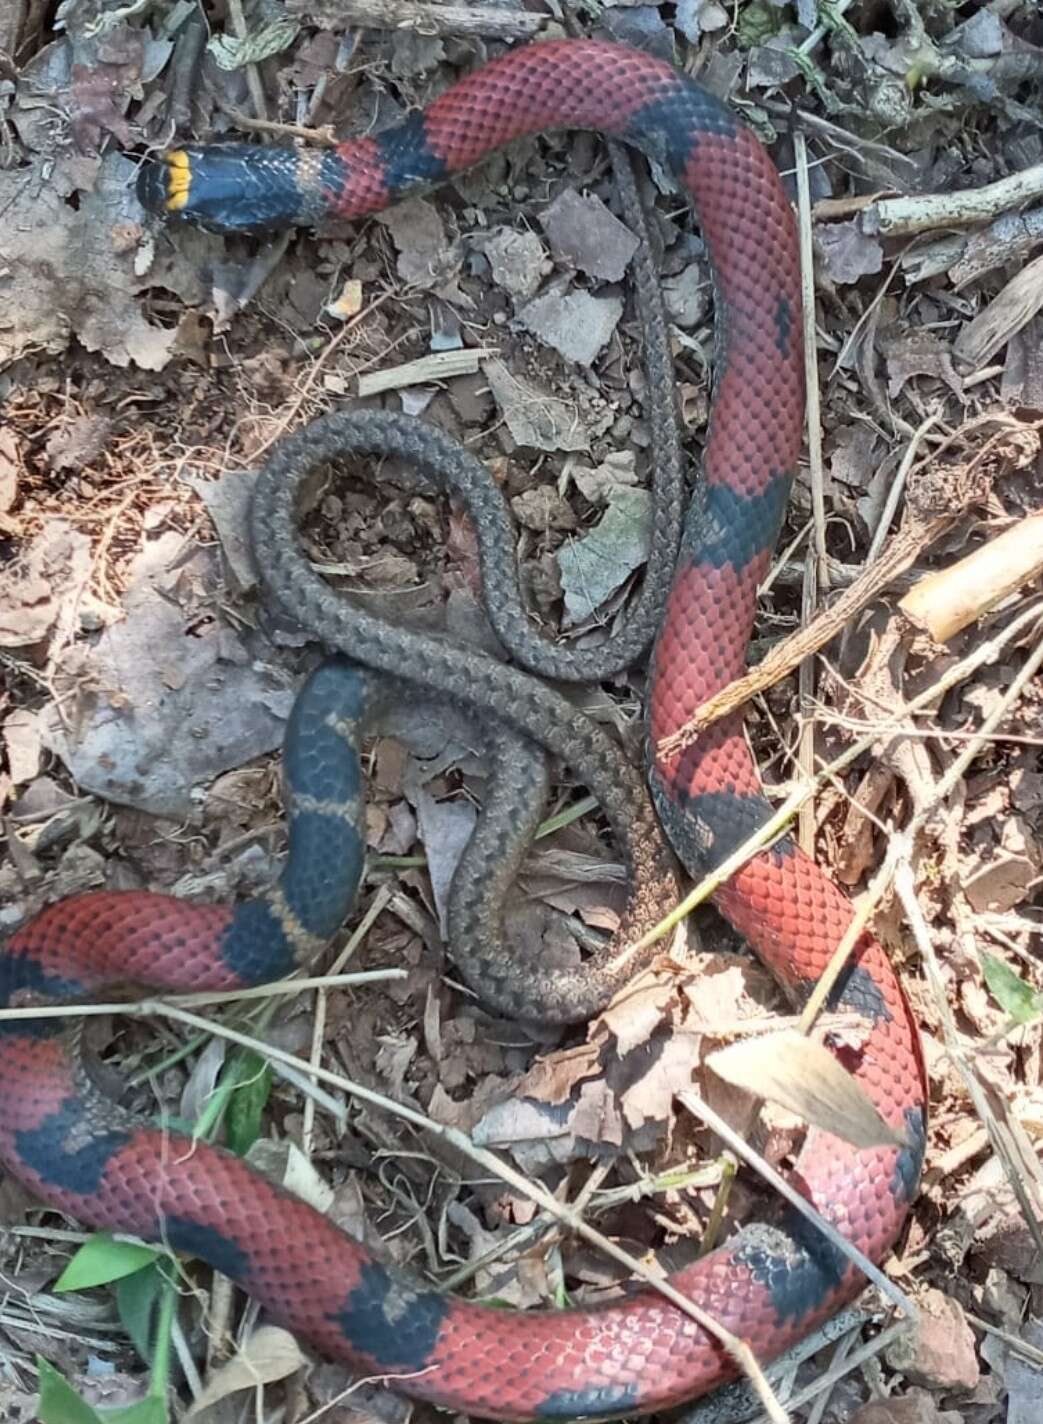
[{"x": 769, "y": 1284}]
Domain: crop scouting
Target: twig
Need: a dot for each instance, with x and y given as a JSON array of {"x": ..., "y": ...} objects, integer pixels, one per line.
[
  {"x": 945, "y": 602},
  {"x": 375, "y": 909},
  {"x": 805, "y": 698},
  {"x": 436, "y": 366},
  {"x": 814, "y": 407},
  {"x": 500, "y": 23},
  {"x": 1013, "y": 1342},
  {"x": 894, "y": 216},
  {"x": 1009, "y": 239},
  {"x": 894, "y": 494}
]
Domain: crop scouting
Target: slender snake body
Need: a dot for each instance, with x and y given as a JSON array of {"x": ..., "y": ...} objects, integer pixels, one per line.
[{"x": 769, "y": 1284}]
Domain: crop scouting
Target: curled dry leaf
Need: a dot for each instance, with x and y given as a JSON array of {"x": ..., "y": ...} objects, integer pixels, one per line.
[
  {"x": 269, "y": 1354},
  {"x": 803, "y": 1075}
]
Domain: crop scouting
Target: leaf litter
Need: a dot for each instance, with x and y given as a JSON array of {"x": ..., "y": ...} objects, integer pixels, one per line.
[{"x": 143, "y": 375}]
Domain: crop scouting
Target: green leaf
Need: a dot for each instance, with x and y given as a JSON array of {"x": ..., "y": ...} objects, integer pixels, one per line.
[
  {"x": 1010, "y": 991},
  {"x": 137, "y": 1298},
  {"x": 252, "y": 1083},
  {"x": 757, "y": 23},
  {"x": 101, "y": 1260},
  {"x": 146, "y": 1411},
  {"x": 60, "y": 1404}
]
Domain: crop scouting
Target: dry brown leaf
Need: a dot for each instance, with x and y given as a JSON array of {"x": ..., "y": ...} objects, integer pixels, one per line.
[
  {"x": 803, "y": 1075},
  {"x": 269, "y": 1354}
]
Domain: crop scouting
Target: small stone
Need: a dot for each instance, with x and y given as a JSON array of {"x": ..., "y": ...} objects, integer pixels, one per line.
[
  {"x": 576, "y": 325},
  {"x": 940, "y": 1353}
]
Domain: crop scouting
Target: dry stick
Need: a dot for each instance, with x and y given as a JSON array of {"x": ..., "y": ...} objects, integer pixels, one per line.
[
  {"x": 814, "y": 408},
  {"x": 441, "y": 19},
  {"x": 863, "y": 912},
  {"x": 900, "y": 553},
  {"x": 805, "y": 699},
  {"x": 894, "y": 216},
  {"x": 779, "y": 821},
  {"x": 843, "y": 1348},
  {"x": 1009, "y": 239},
  {"x": 1013, "y": 1342},
  {"x": 894, "y": 494},
  {"x": 561, "y": 1211},
  {"x": 945, "y": 602},
  {"x": 375, "y": 908},
  {"x": 204, "y": 997},
  {"x": 318, "y": 137},
  {"x": 436, "y": 366},
  {"x": 816, "y": 573}
]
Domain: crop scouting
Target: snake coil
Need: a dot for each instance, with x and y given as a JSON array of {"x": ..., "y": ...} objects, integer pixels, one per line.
[{"x": 769, "y": 1284}]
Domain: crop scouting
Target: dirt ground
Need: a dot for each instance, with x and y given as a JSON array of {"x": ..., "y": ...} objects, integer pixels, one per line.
[{"x": 145, "y": 372}]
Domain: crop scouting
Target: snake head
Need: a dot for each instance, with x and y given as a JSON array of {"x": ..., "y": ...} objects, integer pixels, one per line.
[{"x": 234, "y": 187}]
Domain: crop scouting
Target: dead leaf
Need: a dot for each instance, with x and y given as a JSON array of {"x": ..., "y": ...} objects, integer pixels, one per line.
[
  {"x": 845, "y": 253},
  {"x": 516, "y": 259},
  {"x": 42, "y": 585},
  {"x": 543, "y": 508},
  {"x": 99, "y": 92},
  {"x": 917, "y": 353},
  {"x": 575, "y": 324},
  {"x": 285, "y": 1163},
  {"x": 77, "y": 442},
  {"x": 595, "y": 566},
  {"x": 269, "y": 1354},
  {"x": 532, "y": 415},
  {"x": 802, "y": 1075},
  {"x": 583, "y": 233}
]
